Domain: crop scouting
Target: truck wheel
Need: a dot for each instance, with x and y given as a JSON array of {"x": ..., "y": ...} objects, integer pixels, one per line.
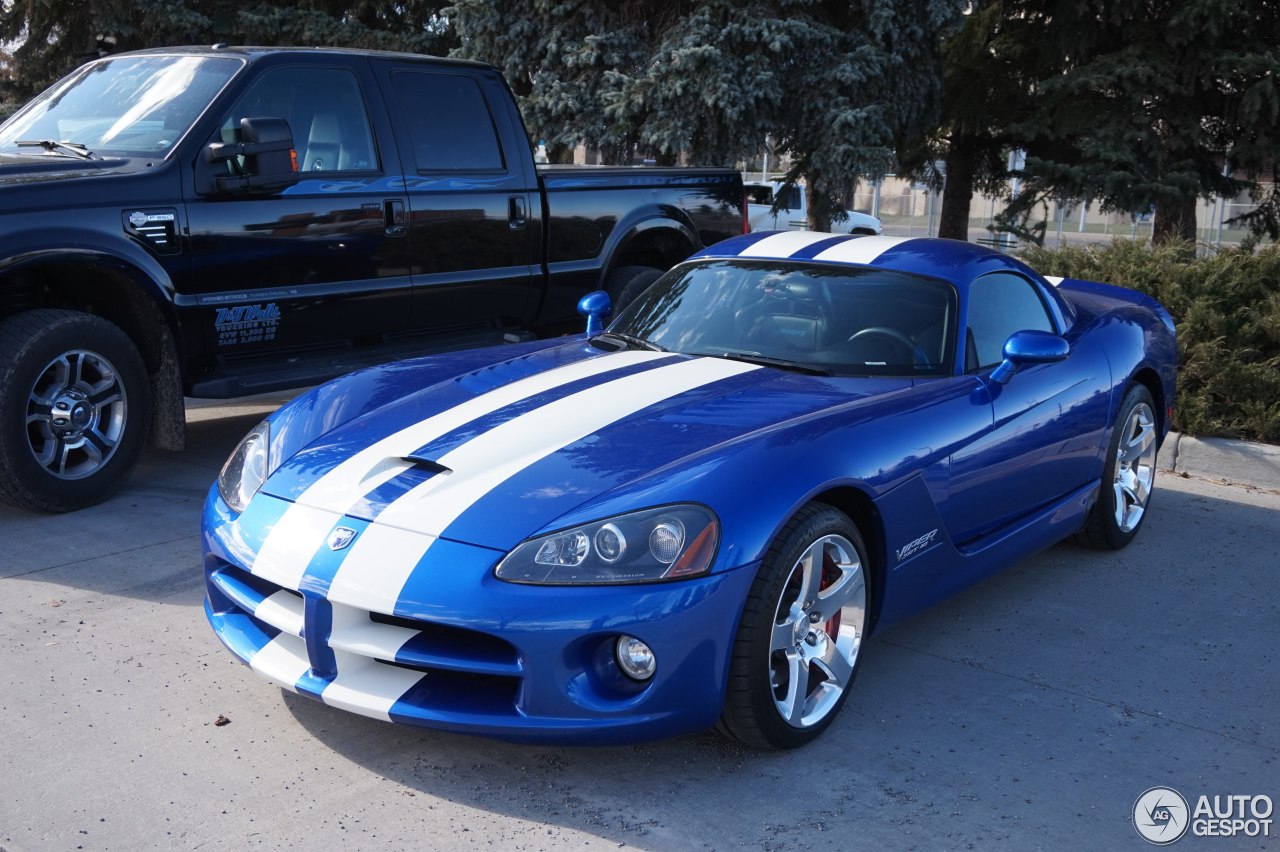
[
  {"x": 627, "y": 282},
  {"x": 74, "y": 409}
]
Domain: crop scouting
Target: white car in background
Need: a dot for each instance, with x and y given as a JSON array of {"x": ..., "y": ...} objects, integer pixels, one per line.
[{"x": 794, "y": 214}]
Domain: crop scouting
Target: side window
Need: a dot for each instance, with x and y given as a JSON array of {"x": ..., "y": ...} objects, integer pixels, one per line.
[
  {"x": 326, "y": 115},
  {"x": 999, "y": 305},
  {"x": 449, "y": 122}
]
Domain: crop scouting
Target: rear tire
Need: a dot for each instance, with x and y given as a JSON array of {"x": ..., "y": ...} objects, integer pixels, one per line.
[
  {"x": 628, "y": 282},
  {"x": 799, "y": 643},
  {"x": 1128, "y": 478},
  {"x": 74, "y": 409}
]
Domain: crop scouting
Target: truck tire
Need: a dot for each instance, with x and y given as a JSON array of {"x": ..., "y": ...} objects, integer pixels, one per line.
[
  {"x": 74, "y": 409},
  {"x": 627, "y": 282}
]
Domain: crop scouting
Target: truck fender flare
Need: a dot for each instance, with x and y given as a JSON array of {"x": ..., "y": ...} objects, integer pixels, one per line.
[
  {"x": 139, "y": 267},
  {"x": 152, "y": 303},
  {"x": 664, "y": 221}
]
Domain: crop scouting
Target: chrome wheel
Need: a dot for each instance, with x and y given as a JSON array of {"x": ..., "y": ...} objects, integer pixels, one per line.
[
  {"x": 1128, "y": 477},
  {"x": 798, "y": 646},
  {"x": 76, "y": 412},
  {"x": 1135, "y": 467},
  {"x": 817, "y": 631}
]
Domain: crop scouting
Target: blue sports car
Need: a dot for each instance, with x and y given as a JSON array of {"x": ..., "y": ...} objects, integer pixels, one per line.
[{"x": 694, "y": 516}]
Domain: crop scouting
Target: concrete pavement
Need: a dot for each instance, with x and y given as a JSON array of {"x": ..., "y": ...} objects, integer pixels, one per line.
[
  {"x": 1030, "y": 711},
  {"x": 1244, "y": 463}
]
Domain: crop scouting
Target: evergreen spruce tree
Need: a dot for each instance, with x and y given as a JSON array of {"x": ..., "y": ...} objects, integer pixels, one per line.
[
  {"x": 833, "y": 84},
  {"x": 1161, "y": 102},
  {"x": 51, "y": 39}
]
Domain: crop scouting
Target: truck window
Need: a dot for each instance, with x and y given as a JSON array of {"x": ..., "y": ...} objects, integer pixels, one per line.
[
  {"x": 449, "y": 122},
  {"x": 325, "y": 111},
  {"x": 131, "y": 105}
]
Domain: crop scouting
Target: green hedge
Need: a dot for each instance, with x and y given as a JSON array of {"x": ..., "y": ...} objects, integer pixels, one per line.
[{"x": 1227, "y": 310}]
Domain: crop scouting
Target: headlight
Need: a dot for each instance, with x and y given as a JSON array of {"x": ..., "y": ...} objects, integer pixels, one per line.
[
  {"x": 247, "y": 468},
  {"x": 667, "y": 543}
]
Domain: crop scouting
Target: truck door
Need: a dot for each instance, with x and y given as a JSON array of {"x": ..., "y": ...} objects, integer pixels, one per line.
[
  {"x": 474, "y": 211},
  {"x": 318, "y": 267}
]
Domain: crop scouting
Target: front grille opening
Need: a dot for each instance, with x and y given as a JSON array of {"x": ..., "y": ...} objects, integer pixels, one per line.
[
  {"x": 460, "y": 692},
  {"x": 455, "y": 642},
  {"x": 243, "y": 589}
]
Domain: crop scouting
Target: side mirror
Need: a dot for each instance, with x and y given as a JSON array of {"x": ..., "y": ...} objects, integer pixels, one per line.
[
  {"x": 270, "y": 161},
  {"x": 1030, "y": 347},
  {"x": 595, "y": 306}
]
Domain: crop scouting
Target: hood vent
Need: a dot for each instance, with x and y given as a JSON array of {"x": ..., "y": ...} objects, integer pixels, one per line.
[{"x": 419, "y": 471}]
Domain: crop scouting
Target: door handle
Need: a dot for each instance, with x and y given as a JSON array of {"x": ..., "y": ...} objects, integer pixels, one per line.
[
  {"x": 517, "y": 215},
  {"x": 394, "y": 219}
]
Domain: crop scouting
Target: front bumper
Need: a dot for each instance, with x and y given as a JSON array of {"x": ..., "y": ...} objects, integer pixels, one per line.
[{"x": 464, "y": 651}]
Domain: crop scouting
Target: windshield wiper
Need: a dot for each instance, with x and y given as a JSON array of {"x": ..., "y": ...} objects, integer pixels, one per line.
[
  {"x": 60, "y": 147},
  {"x": 766, "y": 361},
  {"x": 628, "y": 340}
]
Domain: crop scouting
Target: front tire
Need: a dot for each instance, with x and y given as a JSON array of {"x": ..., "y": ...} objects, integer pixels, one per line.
[
  {"x": 798, "y": 647},
  {"x": 74, "y": 409},
  {"x": 1128, "y": 477}
]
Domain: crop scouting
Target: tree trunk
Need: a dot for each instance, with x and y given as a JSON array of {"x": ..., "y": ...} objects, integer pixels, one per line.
[
  {"x": 1175, "y": 220},
  {"x": 819, "y": 216},
  {"x": 957, "y": 193}
]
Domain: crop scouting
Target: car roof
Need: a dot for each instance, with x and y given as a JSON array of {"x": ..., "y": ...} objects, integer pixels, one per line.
[
  {"x": 954, "y": 260},
  {"x": 251, "y": 53}
]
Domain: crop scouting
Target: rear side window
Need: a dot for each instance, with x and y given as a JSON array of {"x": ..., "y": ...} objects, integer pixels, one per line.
[
  {"x": 999, "y": 305},
  {"x": 449, "y": 122}
]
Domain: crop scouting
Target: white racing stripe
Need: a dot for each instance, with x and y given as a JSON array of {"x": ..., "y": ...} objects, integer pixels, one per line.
[
  {"x": 283, "y": 611},
  {"x": 292, "y": 542},
  {"x": 302, "y": 530},
  {"x": 1055, "y": 280},
  {"x": 785, "y": 244},
  {"x": 283, "y": 660},
  {"x": 861, "y": 250},
  {"x": 337, "y": 489},
  {"x": 382, "y": 559},
  {"x": 368, "y": 688},
  {"x": 372, "y": 574}
]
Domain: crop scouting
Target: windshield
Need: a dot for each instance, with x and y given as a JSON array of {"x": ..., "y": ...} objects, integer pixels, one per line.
[
  {"x": 132, "y": 105},
  {"x": 817, "y": 317}
]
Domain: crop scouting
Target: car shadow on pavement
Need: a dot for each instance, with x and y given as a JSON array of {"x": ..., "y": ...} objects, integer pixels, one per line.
[
  {"x": 145, "y": 541},
  {"x": 1065, "y": 685}
]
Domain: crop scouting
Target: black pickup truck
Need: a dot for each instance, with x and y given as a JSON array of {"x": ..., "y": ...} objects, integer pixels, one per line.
[{"x": 219, "y": 221}]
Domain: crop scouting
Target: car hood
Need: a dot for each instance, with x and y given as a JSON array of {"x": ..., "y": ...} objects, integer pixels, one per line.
[
  {"x": 493, "y": 455},
  {"x": 20, "y": 169}
]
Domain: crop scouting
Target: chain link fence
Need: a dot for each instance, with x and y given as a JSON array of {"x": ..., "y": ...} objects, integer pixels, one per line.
[{"x": 910, "y": 210}]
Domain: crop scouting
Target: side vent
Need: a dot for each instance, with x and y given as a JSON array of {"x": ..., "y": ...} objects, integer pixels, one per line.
[{"x": 156, "y": 227}]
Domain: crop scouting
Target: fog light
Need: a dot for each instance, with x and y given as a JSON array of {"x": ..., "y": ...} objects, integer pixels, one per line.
[{"x": 635, "y": 658}]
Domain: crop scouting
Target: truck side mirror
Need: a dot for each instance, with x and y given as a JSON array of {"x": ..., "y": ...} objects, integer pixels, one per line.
[
  {"x": 269, "y": 159},
  {"x": 595, "y": 306}
]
